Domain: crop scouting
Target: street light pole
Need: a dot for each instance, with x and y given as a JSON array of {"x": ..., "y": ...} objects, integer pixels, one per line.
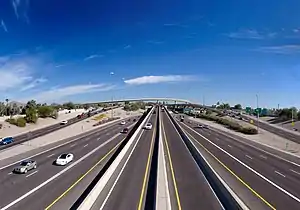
[{"x": 257, "y": 112}]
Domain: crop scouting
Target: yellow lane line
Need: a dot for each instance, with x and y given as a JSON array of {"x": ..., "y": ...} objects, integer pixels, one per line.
[
  {"x": 231, "y": 172},
  {"x": 172, "y": 169},
  {"x": 147, "y": 170},
  {"x": 84, "y": 175}
]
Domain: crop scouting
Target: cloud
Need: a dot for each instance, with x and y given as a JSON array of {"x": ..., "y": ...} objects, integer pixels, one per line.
[
  {"x": 3, "y": 26},
  {"x": 251, "y": 34},
  {"x": 21, "y": 9},
  {"x": 158, "y": 79},
  {"x": 295, "y": 30},
  {"x": 175, "y": 25},
  {"x": 60, "y": 65},
  {"x": 154, "y": 42},
  {"x": 127, "y": 47},
  {"x": 33, "y": 84},
  {"x": 112, "y": 73},
  {"x": 282, "y": 49},
  {"x": 57, "y": 93},
  {"x": 92, "y": 57}
]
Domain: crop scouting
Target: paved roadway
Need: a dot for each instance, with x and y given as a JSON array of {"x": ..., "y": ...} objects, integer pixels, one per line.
[
  {"x": 189, "y": 189},
  {"x": 13, "y": 186},
  {"x": 130, "y": 189},
  {"x": 280, "y": 132},
  {"x": 255, "y": 191},
  {"x": 43, "y": 131}
]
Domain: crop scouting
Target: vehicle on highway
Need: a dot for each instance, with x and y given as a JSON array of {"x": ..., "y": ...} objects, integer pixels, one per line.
[
  {"x": 25, "y": 166},
  {"x": 122, "y": 122},
  {"x": 203, "y": 126},
  {"x": 64, "y": 159},
  {"x": 6, "y": 140},
  {"x": 148, "y": 126},
  {"x": 64, "y": 122},
  {"x": 134, "y": 120},
  {"x": 125, "y": 130}
]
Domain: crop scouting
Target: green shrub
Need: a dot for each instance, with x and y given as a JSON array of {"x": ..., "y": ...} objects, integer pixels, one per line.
[
  {"x": 11, "y": 121},
  {"x": 249, "y": 130},
  {"x": 20, "y": 122}
]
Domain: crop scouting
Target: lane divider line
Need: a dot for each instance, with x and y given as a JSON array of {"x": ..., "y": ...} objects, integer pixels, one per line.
[
  {"x": 248, "y": 157},
  {"x": 32, "y": 173},
  {"x": 277, "y": 172},
  {"x": 51, "y": 155},
  {"x": 147, "y": 167},
  {"x": 172, "y": 169},
  {"x": 86, "y": 145},
  {"x": 57, "y": 175},
  {"x": 262, "y": 156},
  {"x": 296, "y": 172}
]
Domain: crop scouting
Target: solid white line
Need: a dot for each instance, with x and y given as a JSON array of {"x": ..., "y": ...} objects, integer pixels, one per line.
[
  {"x": 58, "y": 174},
  {"x": 119, "y": 175},
  {"x": 229, "y": 146},
  {"x": 249, "y": 157},
  {"x": 296, "y": 172},
  {"x": 86, "y": 145},
  {"x": 32, "y": 174},
  {"x": 248, "y": 167},
  {"x": 264, "y": 157},
  {"x": 60, "y": 145},
  {"x": 73, "y": 145},
  {"x": 50, "y": 155},
  {"x": 279, "y": 173}
]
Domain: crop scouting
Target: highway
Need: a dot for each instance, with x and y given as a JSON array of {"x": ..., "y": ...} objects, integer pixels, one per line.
[
  {"x": 262, "y": 181},
  {"x": 129, "y": 191},
  {"x": 53, "y": 186},
  {"x": 277, "y": 131},
  {"x": 189, "y": 189},
  {"x": 46, "y": 130}
]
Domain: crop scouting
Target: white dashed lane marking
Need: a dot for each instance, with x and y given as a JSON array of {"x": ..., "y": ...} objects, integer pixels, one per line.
[{"x": 279, "y": 173}]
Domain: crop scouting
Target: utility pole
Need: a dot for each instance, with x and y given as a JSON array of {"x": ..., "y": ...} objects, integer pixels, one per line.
[{"x": 257, "y": 112}]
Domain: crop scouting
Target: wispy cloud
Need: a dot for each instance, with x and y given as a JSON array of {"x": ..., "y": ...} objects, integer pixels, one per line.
[
  {"x": 57, "y": 93},
  {"x": 33, "y": 84},
  {"x": 92, "y": 57},
  {"x": 282, "y": 49},
  {"x": 4, "y": 26},
  {"x": 175, "y": 25},
  {"x": 60, "y": 65},
  {"x": 154, "y": 42},
  {"x": 21, "y": 9},
  {"x": 159, "y": 79},
  {"x": 127, "y": 47},
  {"x": 251, "y": 34}
]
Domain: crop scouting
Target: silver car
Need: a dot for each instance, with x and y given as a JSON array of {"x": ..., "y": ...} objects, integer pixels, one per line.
[{"x": 25, "y": 166}]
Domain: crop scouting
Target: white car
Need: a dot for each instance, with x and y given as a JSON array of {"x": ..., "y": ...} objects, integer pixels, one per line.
[
  {"x": 64, "y": 159},
  {"x": 122, "y": 122},
  {"x": 148, "y": 126},
  {"x": 64, "y": 122}
]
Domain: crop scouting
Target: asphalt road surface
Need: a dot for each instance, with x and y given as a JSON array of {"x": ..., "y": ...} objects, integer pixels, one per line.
[
  {"x": 262, "y": 180},
  {"x": 54, "y": 185},
  {"x": 189, "y": 189},
  {"x": 130, "y": 190}
]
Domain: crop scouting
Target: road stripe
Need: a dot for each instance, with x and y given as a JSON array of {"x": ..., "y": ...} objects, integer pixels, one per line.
[
  {"x": 98, "y": 139},
  {"x": 229, "y": 146},
  {"x": 51, "y": 155},
  {"x": 57, "y": 175},
  {"x": 249, "y": 157},
  {"x": 296, "y": 172},
  {"x": 10, "y": 173},
  {"x": 86, "y": 145},
  {"x": 73, "y": 145},
  {"x": 262, "y": 156},
  {"x": 172, "y": 169},
  {"x": 277, "y": 172},
  {"x": 147, "y": 170},
  {"x": 32, "y": 174}
]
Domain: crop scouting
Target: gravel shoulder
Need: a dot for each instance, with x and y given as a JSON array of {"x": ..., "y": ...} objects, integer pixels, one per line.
[{"x": 264, "y": 137}]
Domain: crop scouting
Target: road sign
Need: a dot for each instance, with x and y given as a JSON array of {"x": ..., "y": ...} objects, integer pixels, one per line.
[
  {"x": 248, "y": 109},
  {"x": 258, "y": 110}
]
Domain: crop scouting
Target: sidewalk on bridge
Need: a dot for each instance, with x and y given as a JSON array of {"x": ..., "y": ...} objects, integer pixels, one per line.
[
  {"x": 62, "y": 134},
  {"x": 264, "y": 137}
]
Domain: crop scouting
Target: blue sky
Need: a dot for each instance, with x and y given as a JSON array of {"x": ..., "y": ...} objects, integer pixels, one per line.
[{"x": 90, "y": 50}]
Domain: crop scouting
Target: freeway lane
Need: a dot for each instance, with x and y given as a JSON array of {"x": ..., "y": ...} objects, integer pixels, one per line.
[
  {"x": 15, "y": 185},
  {"x": 43, "y": 131},
  {"x": 130, "y": 189},
  {"x": 189, "y": 188},
  {"x": 261, "y": 193}
]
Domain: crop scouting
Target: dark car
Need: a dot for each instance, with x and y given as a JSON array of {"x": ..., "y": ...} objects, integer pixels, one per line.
[
  {"x": 6, "y": 141},
  {"x": 125, "y": 130}
]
